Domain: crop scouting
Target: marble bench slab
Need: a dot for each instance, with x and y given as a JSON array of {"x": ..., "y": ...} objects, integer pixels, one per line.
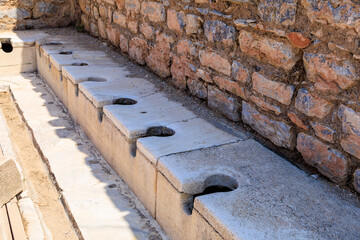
[
  {"x": 154, "y": 110},
  {"x": 273, "y": 200},
  {"x": 21, "y": 58},
  {"x": 80, "y": 57},
  {"x": 122, "y": 86}
]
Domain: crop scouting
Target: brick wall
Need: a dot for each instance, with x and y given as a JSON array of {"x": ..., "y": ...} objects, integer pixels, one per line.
[
  {"x": 29, "y": 14},
  {"x": 288, "y": 68}
]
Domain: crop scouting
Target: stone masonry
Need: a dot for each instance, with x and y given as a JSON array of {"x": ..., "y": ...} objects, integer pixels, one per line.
[
  {"x": 288, "y": 68},
  {"x": 29, "y": 14}
]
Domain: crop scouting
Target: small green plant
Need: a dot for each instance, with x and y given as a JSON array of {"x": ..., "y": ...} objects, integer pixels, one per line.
[{"x": 80, "y": 27}]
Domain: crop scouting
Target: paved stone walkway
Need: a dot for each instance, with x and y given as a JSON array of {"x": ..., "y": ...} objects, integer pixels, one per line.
[{"x": 101, "y": 203}]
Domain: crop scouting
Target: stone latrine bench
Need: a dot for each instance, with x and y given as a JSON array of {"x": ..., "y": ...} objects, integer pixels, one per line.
[
  {"x": 196, "y": 180},
  {"x": 17, "y": 52}
]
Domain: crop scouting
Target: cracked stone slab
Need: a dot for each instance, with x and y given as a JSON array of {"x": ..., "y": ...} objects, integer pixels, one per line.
[
  {"x": 119, "y": 85},
  {"x": 189, "y": 135},
  {"x": 154, "y": 110},
  {"x": 274, "y": 199}
]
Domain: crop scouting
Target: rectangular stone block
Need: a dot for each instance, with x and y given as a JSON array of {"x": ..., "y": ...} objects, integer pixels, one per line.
[
  {"x": 138, "y": 173},
  {"x": 89, "y": 119},
  {"x": 280, "y": 133},
  {"x": 118, "y": 157},
  {"x": 20, "y": 60},
  {"x": 170, "y": 211},
  {"x": 43, "y": 61},
  {"x": 255, "y": 196},
  {"x": 55, "y": 81},
  {"x": 277, "y": 53},
  {"x": 10, "y": 180},
  {"x": 143, "y": 181},
  {"x": 204, "y": 229}
]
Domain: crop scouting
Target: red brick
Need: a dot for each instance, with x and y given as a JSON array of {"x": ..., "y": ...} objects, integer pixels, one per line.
[
  {"x": 278, "y": 53},
  {"x": 275, "y": 90},
  {"x": 298, "y": 40},
  {"x": 231, "y": 86},
  {"x": 215, "y": 61},
  {"x": 311, "y": 105},
  {"x": 296, "y": 119},
  {"x": 327, "y": 160}
]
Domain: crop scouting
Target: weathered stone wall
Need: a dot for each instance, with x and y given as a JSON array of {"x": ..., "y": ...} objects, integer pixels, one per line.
[
  {"x": 29, "y": 14},
  {"x": 288, "y": 68}
]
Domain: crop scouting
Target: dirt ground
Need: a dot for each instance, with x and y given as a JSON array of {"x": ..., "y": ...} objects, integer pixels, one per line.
[{"x": 39, "y": 183}]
